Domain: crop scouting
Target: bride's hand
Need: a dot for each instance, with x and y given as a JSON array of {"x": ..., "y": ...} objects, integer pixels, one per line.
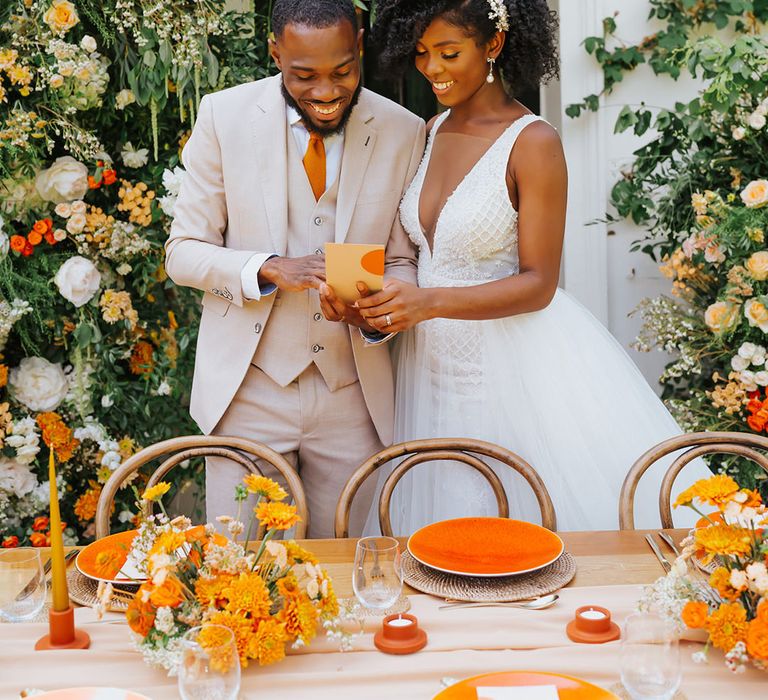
[{"x": 397, "y": 307}]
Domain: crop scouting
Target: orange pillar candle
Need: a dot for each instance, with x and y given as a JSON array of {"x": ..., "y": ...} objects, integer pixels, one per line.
[{"x": 58, "y": 565}]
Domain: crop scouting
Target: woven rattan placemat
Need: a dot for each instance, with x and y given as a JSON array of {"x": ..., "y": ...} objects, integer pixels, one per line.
[
  {"x": 480, "y": 589},
  {"x": 82, "y": 590}
]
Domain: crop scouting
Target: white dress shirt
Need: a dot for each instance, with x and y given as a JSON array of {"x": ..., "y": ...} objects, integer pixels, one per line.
[{"x": 334, "y": 149}]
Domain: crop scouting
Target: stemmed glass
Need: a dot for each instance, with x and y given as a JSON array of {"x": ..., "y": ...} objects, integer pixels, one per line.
[
  {"x": 377, "y": 578},
  {"x": 210, "y": 665},
  {"x": 650, "y": 658},
  {"x": 22, "y": 584}
]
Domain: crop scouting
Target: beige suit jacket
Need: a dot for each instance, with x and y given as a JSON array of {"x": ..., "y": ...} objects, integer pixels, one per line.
[{"x": 232, "y": 204}]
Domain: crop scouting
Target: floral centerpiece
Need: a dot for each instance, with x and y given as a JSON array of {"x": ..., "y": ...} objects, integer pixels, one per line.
[
  {"x": 271, "y": 597},
  {"x": 730, "y": 604}
]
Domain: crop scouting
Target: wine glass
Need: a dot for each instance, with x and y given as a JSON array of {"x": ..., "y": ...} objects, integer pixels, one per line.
[
  {"x": 650, "y": 657},
  {"x": 22, "y": 584},
  {"x": 210, "y": 666},
  {"x": 377, "y": 578}
]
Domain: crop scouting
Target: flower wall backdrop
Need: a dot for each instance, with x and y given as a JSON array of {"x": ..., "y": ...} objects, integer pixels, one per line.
[{"x": 97, "y": 98}]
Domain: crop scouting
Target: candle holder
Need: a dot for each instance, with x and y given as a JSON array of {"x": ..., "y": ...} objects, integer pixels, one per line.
[
  {"x": 592, "y": 625},
  {"x": 400, "y": 634},
  {"x": 62, "y": 633}
]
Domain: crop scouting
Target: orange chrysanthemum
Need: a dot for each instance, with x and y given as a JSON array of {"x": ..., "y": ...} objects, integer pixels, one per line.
[
  {"x": 57, "y": 436},
  {"x": 140, "y": 615},
  {"x": 762, "y": 611},
  {"x": 296, "y": 553},
  {"x": 269, "y": 641},
  {"x": 3, "y": 375},
  {"x": 329, "y": 604},
  {"x": 142, "y": 358},
  {"x": 757, "y": 639},
  {"x": 720, "y": 580},
  {"x": 242, "y": 628},
  {"x": 85, "y": 506},
  {"x": 262, "y": 486},
  {"x": 695, "y": 614},
  {"x": 716, "y": 491},
  {"x": 725, "y": 540},
  {"x": 300, "y": 617},
  {"x": 210, "y": 591},
  {"x": 274, "y": 515},
  {"x": 216, "y": 640},
  {"x": 248, "y": 595},
  {"x": 727, "y": 626}
]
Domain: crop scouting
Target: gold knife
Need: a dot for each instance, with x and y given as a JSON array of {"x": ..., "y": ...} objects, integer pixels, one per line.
[{"x": 662, "y": 559}]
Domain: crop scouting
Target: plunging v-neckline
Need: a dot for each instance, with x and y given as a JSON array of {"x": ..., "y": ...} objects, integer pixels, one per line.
[{"x": 433, "y": 136}]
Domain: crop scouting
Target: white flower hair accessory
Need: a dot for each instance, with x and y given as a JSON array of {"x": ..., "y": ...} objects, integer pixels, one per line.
[{"x": 499, "y": 15}]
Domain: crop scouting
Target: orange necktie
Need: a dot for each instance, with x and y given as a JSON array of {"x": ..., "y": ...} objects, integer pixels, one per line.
[{"x": 314, "y": 164}]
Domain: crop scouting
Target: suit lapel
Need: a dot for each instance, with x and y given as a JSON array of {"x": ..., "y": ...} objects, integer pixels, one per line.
[
  {"x": 359, "y": 140},
  {"x": 269, "y": 129}
]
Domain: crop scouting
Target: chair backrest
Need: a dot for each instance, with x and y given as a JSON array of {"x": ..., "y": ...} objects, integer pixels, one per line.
[
  {"x": 696, "y": 445},
  {"x": 179, "y": 449},
  {"x": 451, "y": 449}
]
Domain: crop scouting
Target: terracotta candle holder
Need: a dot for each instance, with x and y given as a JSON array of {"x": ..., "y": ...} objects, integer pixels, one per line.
[
  {"x": 592, "y": 625},
  {"x": 62, "y": 632},
  {"x": 400, "y": 634}
]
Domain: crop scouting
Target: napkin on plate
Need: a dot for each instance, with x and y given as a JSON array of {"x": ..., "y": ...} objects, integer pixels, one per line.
[{"x": 528, "y": 692}]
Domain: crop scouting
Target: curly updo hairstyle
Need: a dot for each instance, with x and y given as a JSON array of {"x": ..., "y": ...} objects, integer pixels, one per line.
[{"x": 528, "y": 59}]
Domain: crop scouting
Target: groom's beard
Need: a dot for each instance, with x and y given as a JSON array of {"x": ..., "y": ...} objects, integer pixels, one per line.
[{"x": 307, "y": 120}]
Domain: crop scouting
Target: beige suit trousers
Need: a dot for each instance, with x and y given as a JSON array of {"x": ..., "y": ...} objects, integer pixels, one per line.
[{"x": 325, "y": 435}]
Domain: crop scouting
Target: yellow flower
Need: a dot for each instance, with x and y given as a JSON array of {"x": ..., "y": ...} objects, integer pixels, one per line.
[
  {"x": 262, "y": 486},
  {"x": 329, "y": 604},
  {"x": 242, "y": 628},
  {"x": 716, "y": 491},
  {"x": 296, "y": 553},
  {"x": 720, "y": 580},
  {"x": 8, "y": 58},
  {"x": 727, "y": 626},
  {"x": 216, "y": 640},
  {"x": 167, "y": 542},
  {"x": 300, "y": 617},
  {"x": 61, "y": 16},
  {"x": 755, "y": 194},
  {"x": 756, "y": 314},
  {"x": 210, "y": 591},
  {"x": 274, "y": 515},
  {"x": 20, "y": 75},
  {"x": 269, "y": 641},
  {"x": 724, "y": 540},
  {"x": 757, "y": 265},
  {"x": 156, "y": 492},
  {"x": 722, "y": 316},
  {"x": 248, "y": 594}
]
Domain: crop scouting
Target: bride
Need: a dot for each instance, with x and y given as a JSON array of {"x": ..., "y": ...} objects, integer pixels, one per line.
[{"x": 490, "y": 347}]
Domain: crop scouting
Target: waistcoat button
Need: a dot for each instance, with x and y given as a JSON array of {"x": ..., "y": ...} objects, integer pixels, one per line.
[
  {"x": 317, "y": 348},
  {"x": 318, "y": 221},
  {"x": 257, "y": 328},
  {"x": 318, "y": 317}
]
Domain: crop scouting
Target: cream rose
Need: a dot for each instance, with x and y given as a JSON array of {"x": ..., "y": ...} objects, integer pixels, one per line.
[
  {"x": 65, "y": 180},
  {"x": 56, "y": 81},
  {"x": 15, "y": 477},
  {"x": 755, "y": 194},
  {"x": 124, "y": 98},
  {"x": 38, "y": 384},
  {"x": 756, "y": 314},
  {"x": 61, "y": 16},
  {"x": 78, "y": 207},
  {"x": 76, "y": 223},
  {"x": 756, "y": 120},
  {"x": 738, "y": 133},
  {"x": 88, "y": 43},
  {"x": 721, "y": 316},
  {"x": 757, "y": 265},
  {"x": 78, "y": 280}
]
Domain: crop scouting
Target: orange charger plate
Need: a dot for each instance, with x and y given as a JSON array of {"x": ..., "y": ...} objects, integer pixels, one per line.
[
  {"x": 568, "y": 687},
  {"x": 485, "y": 546}
]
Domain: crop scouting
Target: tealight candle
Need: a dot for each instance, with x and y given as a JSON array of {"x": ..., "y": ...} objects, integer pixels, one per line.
[
  {"x": 593, "y": 614},
  {"x": 592, "y": 625},
  {"x": 400, "y": 622},
  {"x": 400, "y": 634}
]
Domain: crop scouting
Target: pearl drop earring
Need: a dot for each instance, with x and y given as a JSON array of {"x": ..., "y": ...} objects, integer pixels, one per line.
[{"x": 490, "y": 77}]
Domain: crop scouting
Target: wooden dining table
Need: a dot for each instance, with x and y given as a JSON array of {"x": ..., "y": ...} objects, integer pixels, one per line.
[{"x": 612, "y": 568}]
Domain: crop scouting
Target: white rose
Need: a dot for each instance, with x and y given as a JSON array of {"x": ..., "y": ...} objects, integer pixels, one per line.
[
  {"x": 56, "y": 81},
  {"x": 124, "y": 98},
  {"x": 747, "y": 350},
  {"x": 756, "y": 120},
  {"x": 168, "y": 205},
  {"x": 755, "y": 194},
  {"x": 78, "y": 207},
  {"x": 64, "y": 210},
  {"x": 739, "y": 363},
  {"x": 747, "y": 378},
  {"x": 172, "y": 179},
  {"x": 5, "y": 243},
  {"x": 15, "y": 477},
  {"x": 164, "y": 389},
  {"x": 761, "y": 378},
  {"x": 38, "y": 384},
  {"x": 134, "y": 157},
  {"x": 59, "y": 235},
  {"x": 88, "y": 43},
  {"x": 738, "y": 133},
  {"x": 759, "y": 357},
  {"x": 76, "y": 223},
  {"x": 65, "y": 180},
  {"x": 78, "y": 280}
]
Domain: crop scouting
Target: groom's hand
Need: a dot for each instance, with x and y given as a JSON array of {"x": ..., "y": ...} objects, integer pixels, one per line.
[
  {"x": 334, "y": 309},
  {"x": 294, "y": 274}
]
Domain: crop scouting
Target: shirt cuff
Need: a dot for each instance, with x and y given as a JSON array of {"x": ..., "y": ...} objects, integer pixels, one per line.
[
  {"x": 249, "y": 277},
  {"x": 375, "y": 338}
]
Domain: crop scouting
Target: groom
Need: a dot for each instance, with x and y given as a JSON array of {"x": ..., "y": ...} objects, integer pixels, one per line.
[{"x": 276, "y": 168}]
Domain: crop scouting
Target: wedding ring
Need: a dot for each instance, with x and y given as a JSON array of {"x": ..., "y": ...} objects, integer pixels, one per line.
[{"x": 388, "y": 319}]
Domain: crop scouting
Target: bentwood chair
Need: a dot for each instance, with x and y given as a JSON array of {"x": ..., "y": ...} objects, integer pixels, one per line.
[
  {"x": 464, "y": 450},
  {"x": 176, "y": 450},
  {"x": 696, "y": 445}
]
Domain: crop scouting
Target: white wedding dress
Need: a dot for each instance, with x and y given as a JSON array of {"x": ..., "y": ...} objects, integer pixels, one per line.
[{"x": 553, "y": 386}]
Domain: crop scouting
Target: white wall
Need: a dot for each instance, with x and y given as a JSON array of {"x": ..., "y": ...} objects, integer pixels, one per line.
[{"x": 598, "y": 268}]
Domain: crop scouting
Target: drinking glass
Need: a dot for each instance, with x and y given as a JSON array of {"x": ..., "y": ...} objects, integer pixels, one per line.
[
  {"x": 377, "y": 578},
  {"x": 210, "y": 666},
  {"x": 22, "y": 584},
  {"x": 650, "y": 658}
]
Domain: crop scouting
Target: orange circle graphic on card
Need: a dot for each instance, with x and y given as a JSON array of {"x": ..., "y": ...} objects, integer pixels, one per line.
[
  {"x": 485, "y": 546},
  {"x": 373, "y": 262}
]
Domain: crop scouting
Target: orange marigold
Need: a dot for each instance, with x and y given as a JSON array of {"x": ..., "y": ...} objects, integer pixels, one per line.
[
  {"x": 762, "y": 611},
  {"x": 757, "y": 639},
  {"x": 274, "y": 515},
  {"x": 242, "y": 628},
  {"x": 140, "y": 615},
  {"x": 39, "y": 539},
  {"x": 720, "y": 580},
  {"x": 715, "y": 491},
  {"x": 142, "y": 358},
  {"x": 85, "y": 506},
  {"x": 210, "y": 591},
  {"x": 727, "y": 626},
  {"x": 248, "y": 595},
  {"x": 300, "y": 617},
  {"x": 722, "y": 539},
  {"x": 695, "y": 614},
  {"x": 57, "y": 436},
  {"x": 329, "y": 604},
  {"x": 262, "y": 486},
  {"x": 269, "y": 641},
  {"x": 3, "y": 375},
  {"x": 216, "y": 640},
  {"x": 169, "y": 594}
]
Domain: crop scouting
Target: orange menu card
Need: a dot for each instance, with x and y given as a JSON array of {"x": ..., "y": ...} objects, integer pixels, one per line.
[{"x": 346, "y": 264}]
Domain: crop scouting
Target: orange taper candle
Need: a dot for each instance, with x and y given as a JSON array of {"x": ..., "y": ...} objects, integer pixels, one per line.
[{"x": 58, "y": 565}]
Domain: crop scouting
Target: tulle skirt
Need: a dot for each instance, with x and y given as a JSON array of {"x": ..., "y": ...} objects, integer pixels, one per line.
[{"x": 553, "y": 386}]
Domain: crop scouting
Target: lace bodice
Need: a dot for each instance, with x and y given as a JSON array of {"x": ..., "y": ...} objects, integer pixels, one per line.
[{"x": 475, "y": 237}]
